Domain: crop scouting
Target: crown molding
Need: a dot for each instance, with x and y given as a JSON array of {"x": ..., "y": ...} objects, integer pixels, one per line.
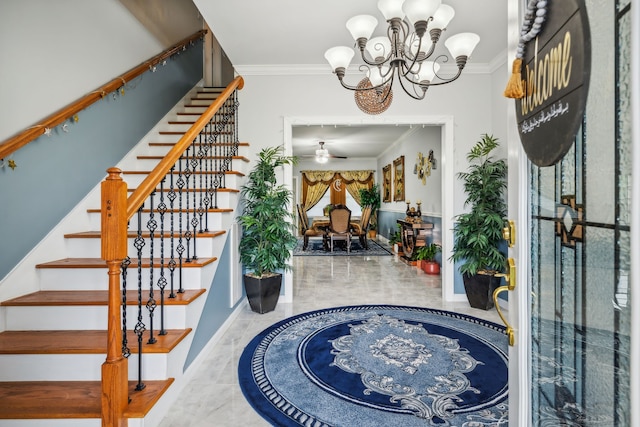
[{"x": 323, "y": 69}]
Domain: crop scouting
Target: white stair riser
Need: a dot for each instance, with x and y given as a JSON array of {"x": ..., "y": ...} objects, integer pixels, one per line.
[
  {"x": 194, "y": 109},
  {"x": 52, "y": 318},
  {"x": 81, "y": 367},
  {"x": 230, "y": 180},
  {"x": 205, "y": 246},
  {"x": 97, "y": 278},
  {"x": 213, "y": 220},
  {"x": 149, "y": 164}
]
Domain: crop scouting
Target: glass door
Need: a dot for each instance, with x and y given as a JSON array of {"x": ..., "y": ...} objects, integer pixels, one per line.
[{"x": 580, "y": 248}]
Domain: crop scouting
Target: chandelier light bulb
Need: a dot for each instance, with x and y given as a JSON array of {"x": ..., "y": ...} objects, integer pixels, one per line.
[
  {"x": 377, "y": 76},
  {"x": 420, "y": 10},
  {"x": 391, "y": 9},
  {"x": 426, "y": 71},
  {"x": 339, "y": 57},
  {"x": 379, "y": 47},
  {"x": 362, "y": 26},
  {"x": 442, "y": 17},
  {"x": 462, "y": 44}
]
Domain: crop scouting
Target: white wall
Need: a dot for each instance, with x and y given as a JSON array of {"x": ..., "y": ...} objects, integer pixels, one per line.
[
  {"x": 54, "y": 52},
  {"x": 266, "y": 101},
  {"x": 430, "y": 193}
]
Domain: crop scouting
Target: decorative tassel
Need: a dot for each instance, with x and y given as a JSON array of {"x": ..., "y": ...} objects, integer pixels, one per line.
[{"x": 514, "y": 87}]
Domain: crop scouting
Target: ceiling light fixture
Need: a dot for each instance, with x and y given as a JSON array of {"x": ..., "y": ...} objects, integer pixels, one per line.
[
  {"x": 322, "y": 154},
  {"x": 403, "y": 53}
]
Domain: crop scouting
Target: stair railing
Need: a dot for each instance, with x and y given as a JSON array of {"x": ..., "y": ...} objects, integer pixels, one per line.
[
  {"x": 24, "y": 137},
  {"x": 171, "y": 205}
]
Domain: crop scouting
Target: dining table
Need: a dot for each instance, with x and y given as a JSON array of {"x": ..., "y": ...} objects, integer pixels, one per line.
[{"x": 324, "y": 222}]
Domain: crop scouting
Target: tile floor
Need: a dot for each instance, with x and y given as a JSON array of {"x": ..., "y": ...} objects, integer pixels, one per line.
[{"x": 214, "y": 398}]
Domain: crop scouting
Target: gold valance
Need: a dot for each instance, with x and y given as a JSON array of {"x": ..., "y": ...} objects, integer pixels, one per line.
[{"x": 312, "y": 177}]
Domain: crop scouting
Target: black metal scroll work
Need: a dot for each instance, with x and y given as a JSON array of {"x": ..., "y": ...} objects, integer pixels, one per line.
[
  {"x": 140, "y": 326},
  {"x": 187, "y": 194},
  {"x": 414, "y": 234}
]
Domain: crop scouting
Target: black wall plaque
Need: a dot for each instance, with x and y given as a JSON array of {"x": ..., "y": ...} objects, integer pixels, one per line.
[{"x": 555, "y": 73}]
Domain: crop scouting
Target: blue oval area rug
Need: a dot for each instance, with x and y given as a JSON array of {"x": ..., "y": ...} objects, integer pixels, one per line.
[{"x": 378, "y": 365}]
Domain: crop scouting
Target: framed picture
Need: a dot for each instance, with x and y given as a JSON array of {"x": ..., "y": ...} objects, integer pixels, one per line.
[
  {"x": 386, "y": 184},
  {"x": 398, "y": 179}
]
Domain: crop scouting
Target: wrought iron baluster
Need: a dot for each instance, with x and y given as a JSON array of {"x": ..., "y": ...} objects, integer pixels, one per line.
[
  {"x": 187, "y": 175},
  {"x": 152, "y": 225},
  {"x": 171, "y": 195},
  {"x": 126, "y": 352},
  {"x": 140, "y": 327},
  {"x": 180, "y": 248},
  {"x": 207, "y": 177},
  {"x": 195, "y": 161},
  {"x": 162, "y": 280},
  {"x": 202, "y": 152}
]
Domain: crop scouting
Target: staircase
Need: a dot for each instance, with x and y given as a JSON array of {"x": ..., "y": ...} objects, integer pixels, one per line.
[{"x": 55, "y": 339}]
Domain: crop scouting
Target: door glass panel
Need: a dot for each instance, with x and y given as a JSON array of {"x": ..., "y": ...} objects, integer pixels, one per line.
[{"x": 580, "y": 249}]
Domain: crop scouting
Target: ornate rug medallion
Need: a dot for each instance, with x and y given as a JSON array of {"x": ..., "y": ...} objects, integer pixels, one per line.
[{"x": 378, "y": 365}]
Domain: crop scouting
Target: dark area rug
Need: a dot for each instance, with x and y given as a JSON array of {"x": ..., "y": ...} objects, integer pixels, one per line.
[
  {"x": 378, "y": 365},
  {"x": 315, "y": 249}
]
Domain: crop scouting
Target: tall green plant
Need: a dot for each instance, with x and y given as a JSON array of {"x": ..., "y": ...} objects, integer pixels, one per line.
[
  {"x": 371, "y": 197},
  {"x": 478, "y": 233},
  {"x": 268, "y": 234}
]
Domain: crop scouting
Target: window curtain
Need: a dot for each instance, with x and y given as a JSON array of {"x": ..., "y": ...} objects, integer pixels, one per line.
[
  {"x": 357, "y": 180},
  {"x": 316, "y": 183}
]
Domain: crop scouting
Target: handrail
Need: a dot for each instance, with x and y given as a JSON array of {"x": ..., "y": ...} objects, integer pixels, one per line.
[
  {"x": 26, "y": 136},
  {"x": 140, "y": 194},
  {"x": 116, "y": 211}
]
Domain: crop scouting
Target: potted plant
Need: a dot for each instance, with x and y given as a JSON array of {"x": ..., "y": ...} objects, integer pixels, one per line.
[
  {"x": 395, "y": 240},
  {"x": 268, "y": 233},
  {"x": 478, "y": 233},
  {"x": 371, "y": 197},
  {"x": 426, "y": 256}
]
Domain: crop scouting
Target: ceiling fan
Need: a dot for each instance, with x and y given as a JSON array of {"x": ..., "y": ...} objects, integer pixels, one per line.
[{"x": 322, "y": 155}]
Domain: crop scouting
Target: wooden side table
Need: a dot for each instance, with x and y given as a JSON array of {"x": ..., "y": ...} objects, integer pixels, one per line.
[{"x": 414, "y": 235}]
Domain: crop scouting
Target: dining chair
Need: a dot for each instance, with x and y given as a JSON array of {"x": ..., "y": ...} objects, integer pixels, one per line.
[
  {"x": 362, "y": 228},
  {"x": 339, "y": 226},
  {"x": 308, "y": 232}
]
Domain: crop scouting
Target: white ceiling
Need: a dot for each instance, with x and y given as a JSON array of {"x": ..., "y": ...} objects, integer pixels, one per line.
[{"x": 262, "y": 36}]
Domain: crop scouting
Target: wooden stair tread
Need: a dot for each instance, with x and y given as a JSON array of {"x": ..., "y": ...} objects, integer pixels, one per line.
[
  {"x": 195, "y": 190},
  {"x": 242, "y": 158},
  {"x": 217, "y": 144},
  {"x": 99, "y": 298},
  {"x": 97, "y": 235},
  {"x": 169, "y": 211},
  {"x": 82, "y": 341},
  {"x": 100, "y": 263},
  {"x": 71, "y": 399},
  {"x": 136, "y": 172}
]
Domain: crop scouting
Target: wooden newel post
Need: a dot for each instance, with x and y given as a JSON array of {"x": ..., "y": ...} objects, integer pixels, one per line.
[{"x": 114, "y": 249}]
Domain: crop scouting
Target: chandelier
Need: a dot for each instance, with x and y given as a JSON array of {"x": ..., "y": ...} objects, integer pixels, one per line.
[{"x": 404, "y": 52}]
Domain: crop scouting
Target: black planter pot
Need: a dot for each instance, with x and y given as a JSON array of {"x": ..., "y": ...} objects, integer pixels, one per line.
[
  {"x": 479, "y": 289},
  {"x": 263, "y": 293}
]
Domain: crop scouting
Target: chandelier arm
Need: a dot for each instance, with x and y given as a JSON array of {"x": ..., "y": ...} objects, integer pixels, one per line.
[
  {"x": 374, "y": 63},
  {"x": 449, "y": 80},
  {"x": 359, "y": 89},
  {"x": 413, "y": 86}
]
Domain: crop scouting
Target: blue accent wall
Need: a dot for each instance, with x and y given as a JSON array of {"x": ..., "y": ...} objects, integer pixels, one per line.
[
  {"x": 54, "y": 173},
  {"x": 216, "y": 308}
]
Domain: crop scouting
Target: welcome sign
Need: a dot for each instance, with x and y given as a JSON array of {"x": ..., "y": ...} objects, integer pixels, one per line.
[{"x": 555, "y": 74}]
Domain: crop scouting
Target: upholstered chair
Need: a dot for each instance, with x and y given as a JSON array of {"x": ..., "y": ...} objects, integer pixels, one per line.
[
  {"x": 362, "y": 228},
  {"x": 308, "y": 232},
  {"x": 339, "y": 225}
]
